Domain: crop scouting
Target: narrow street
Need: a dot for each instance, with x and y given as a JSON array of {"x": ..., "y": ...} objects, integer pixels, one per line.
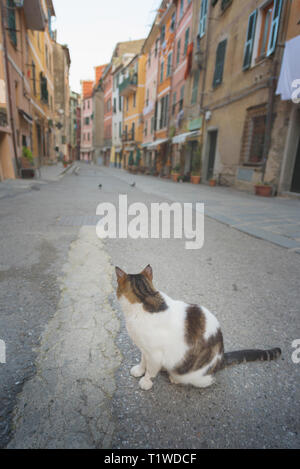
[{"x": 66, "y": 381}]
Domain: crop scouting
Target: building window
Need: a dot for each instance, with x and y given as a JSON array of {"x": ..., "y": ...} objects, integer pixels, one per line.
[
  {"x": 146, "y": 128},
  {"x": 181, "y": 8},
  {"x": 11, "y": 20},
  {"x": 163, "y": 34},
  {"x": 174, "y": 104},
  {"x": 270, "y": 17},
  {"x": 152, "y": 125},
  {"x": 149, "y": 59},
  {"x": 178, "y": 51},
  {"x": 220, "y": 60},
  {"x": 162, "y": 71},
  {"x": 133, "y": 131},
  {"x": 162, "y": 110},
  {"x": 254, "y": 136},
  {"x": 43, "y": 88},
  {"x": 120, "y": 103},
  {"x": 115, "y": 105},
  {"x": 186, "y": 40},
  {"x": 169, "y": 64},
  {"x": 156, "y": 47},
  {"x": 203, "y": 18},
  {"x": 87, "y": 121},
  {"x": 249, "y": 40},
  {"x": 147, "y": 97},
  {"x": 33, "y": 78},
  {"x": 181, "y": 98},
  {"x": 127, "y": 103},
  {"x": 120, "y": 129},
  {"x": 173, "y": 22},
  {"x": 134, "y": 100}
]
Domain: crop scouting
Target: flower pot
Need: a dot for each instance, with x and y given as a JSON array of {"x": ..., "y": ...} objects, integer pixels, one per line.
[
  {"x": 195, "y": 179},
  {"x": 175, "y": 177},
  {"x": 25, "y": 163},
  {"x": 263, "y": 191},
  {"x": 212, "y": 183}
]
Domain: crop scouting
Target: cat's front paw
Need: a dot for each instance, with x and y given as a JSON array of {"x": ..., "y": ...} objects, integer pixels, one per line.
[
  {"x": 137, "y": 371},
  {"x": 145, "y": 384}
]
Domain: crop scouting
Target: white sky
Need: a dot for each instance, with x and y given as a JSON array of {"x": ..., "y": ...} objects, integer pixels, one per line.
[{"x": 91, "y": 29}]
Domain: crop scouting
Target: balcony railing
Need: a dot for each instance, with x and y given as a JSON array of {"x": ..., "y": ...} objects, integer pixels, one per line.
[
  {"x": 128, "y": 136},
  {"x": 128, "y": 85}
]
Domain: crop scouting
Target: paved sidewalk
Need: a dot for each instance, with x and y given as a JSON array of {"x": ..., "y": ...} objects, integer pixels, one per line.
[
  {"x": 12, "y": 187},
  {"x": 276, "y": 220}
]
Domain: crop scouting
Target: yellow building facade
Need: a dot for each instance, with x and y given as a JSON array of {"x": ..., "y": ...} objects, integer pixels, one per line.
[
  {"x": 133, "y": 91},
  {"x": 41, "y": 71}
]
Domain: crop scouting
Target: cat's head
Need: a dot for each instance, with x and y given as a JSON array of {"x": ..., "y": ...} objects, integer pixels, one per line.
[
  {"x": 138, "y": 288},
  {"x": 132, "y": 286}
]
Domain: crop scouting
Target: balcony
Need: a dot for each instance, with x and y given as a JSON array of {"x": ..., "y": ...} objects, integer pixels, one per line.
[
  {"x": 129, "y": 85},
  {"x": 128, "y": 136}
]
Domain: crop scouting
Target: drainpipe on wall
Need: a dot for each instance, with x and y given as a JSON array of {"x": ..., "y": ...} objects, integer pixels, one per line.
[{"x": 12, "y": 122}]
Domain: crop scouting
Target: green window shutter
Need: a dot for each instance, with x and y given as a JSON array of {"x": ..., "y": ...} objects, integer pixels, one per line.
[
  {"x": 195, "y": 87},
  {"x": 178, "y": 50},
  {"x": 162, "y": 71},
  {"x": 169, "y": 67},
  {"x": 186, "y": 40},
  {"x": 220, "y": 59},
  {"x": 203, "y": 18},
  {"x": 11, "y": 20},
  {"x": 166, "y": 113},
  {"x": 274, "y": 27},
  {"x": 250, "y": 40}
]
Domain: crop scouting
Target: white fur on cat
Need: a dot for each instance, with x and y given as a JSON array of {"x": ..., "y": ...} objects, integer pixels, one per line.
[{"x": 160, "y": 338}]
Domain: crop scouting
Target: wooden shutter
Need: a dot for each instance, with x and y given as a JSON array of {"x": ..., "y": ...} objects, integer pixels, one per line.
[
  {"x": 220, "y": 58},
  {"x": 166, "y": 116},
  {"x": 203, "y": 18},
  {"x": 274, "y": 27},
  {"x": 250, "y": 40}
]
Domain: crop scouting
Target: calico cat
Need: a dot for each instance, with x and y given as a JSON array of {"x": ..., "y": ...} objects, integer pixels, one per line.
[{"x": 186, "y": 340}]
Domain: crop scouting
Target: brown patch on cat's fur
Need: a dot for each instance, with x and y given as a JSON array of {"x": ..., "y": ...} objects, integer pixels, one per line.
[
  {"x": 201, "y": 351},
  {"x": 139, "y": 289}
]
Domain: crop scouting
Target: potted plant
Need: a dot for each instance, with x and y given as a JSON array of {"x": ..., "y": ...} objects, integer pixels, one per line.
[
  {"x": 196, "y": 167},
  {"x": 176, "y": 173},
  {"x": 27, "y": 159},
  {"x": 263, "y": 189},
  {"x": 213, "y": 182}
]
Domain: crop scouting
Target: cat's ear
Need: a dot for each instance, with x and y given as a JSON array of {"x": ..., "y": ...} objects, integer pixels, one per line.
[
  {"x": 121, "y": 275},
  {"x": 148, "y": 272}
]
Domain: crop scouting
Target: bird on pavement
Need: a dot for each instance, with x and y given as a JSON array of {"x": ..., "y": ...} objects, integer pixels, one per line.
[
  {"x": 100, "y": 186},
  {"x": 133, "y": 184}
]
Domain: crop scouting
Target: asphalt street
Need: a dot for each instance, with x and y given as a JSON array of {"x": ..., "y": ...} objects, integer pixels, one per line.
[{"x": 66, "y": 380}]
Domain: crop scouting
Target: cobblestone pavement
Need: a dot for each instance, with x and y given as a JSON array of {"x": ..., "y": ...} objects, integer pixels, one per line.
[{"x": 66, "y": 382}]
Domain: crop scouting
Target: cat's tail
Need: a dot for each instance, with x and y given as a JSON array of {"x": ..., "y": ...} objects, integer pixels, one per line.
[{"x": 244, "y": 356}]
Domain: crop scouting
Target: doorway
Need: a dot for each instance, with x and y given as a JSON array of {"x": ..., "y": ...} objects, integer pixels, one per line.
[
  {"x": 212, "y": 147},
  {"x": 295, "y": 187}
]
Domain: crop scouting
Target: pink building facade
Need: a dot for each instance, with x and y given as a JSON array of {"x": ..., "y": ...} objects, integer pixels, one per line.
[
  {"x": 86, "y": 150},
  {"x": 108, "y": 115},
  {"x": 152, "y": 45}
]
